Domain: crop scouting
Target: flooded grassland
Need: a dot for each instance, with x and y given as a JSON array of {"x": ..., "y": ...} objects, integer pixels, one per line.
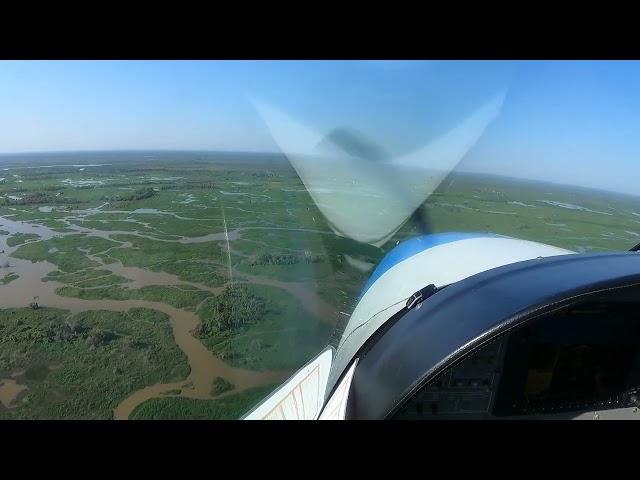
[{"x": 174, "y": 289}]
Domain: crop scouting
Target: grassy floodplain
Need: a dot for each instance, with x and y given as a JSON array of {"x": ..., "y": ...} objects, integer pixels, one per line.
[
  {"x": 83, "y": 365},
  {"x": 227, "y": 408},
  {"x": 213, "y": 251}
]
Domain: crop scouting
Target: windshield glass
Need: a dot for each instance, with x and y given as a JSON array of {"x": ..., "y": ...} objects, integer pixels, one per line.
[{"x": 178, "y": 238}]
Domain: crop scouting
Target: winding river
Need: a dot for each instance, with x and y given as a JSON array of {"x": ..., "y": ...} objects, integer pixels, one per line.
[{"x": 205, "y": 366}]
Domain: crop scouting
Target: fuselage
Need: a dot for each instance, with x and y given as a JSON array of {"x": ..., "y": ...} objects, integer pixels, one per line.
[
  {"x": 436, "y": 259},
  {"x": 439, "y": 259}
]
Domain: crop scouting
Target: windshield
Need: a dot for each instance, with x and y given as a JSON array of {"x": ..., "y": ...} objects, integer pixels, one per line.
[{"x": 178, "y": 238}]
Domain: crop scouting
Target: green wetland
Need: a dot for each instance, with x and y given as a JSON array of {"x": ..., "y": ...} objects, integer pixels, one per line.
[{"x": 158, "y": 285}]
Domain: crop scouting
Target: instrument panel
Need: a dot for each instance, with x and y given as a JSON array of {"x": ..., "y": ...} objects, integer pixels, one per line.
[
  {"x": 583, "y": 359},
  {"x": 467, "y": 390}
]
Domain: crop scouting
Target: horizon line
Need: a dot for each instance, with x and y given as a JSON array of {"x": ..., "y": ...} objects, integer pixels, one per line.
[
  {"x": 266, "y": 152},
  {"x": 200, "y": 150}
]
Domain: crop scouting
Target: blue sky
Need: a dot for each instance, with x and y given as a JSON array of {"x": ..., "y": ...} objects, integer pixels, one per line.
[{"x": 569, "y": 122}]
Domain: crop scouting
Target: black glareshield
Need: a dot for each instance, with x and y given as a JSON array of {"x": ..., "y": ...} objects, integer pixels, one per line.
[{"x": 466, "y": 315}]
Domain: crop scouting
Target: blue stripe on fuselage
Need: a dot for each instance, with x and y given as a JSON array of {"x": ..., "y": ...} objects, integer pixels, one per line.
[{"x": 414, "y": 246}]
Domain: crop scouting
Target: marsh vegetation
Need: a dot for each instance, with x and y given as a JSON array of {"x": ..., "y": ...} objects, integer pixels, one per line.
[{"x": 189, "y": 285}]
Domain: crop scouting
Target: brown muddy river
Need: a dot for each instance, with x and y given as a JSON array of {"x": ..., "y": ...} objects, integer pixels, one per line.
[
  {"x": 9, "y": 391},
  {"x": 205, "y": 366}
]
